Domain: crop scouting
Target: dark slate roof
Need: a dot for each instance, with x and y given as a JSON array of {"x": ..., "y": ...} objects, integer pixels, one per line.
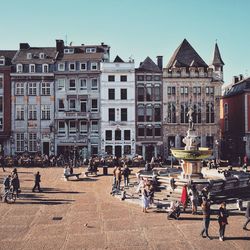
[
  {"x": 186, "y": 56},
  {"x": 217, "y": 57},
  {"x": 8, "y": 55},
  {"x": 118, "y": 59},
  {"x": 50, "y": 55},
  {"x": 149, "y": 66},
  {"x": 238, "y": 88}
]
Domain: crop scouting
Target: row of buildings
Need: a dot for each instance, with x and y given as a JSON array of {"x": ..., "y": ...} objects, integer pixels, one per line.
[{"x": 56, "y": 99}]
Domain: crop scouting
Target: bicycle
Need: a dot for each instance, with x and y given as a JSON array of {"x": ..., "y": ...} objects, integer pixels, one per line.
[{"x": 9, "y": 196}]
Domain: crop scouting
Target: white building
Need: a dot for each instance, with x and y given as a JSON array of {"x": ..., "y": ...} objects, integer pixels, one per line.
[{"x": 117, "y": 106}]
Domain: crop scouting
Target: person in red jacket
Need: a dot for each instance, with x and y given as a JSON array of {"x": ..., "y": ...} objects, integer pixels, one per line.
[{"x": 184, "y": 197}]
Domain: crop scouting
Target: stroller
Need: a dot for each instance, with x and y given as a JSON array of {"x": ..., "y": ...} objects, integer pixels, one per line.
[{"x": 174, "y": 210}]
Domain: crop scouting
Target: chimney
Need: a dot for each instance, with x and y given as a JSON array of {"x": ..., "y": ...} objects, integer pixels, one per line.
[
  {"x": 159, "y": 61},
  {"x": 59, "y": 45},
  {"x": 240, "y": 77},
  {"x": 24, "y": 46},
  {"x": 235, "y": 79}
]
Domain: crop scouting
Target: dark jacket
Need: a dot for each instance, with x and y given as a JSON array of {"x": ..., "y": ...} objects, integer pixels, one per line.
[
  {"x": 247, "y": 214},
  {"x": 206, "y": 209},
  {"x": 38, "y": 178}
]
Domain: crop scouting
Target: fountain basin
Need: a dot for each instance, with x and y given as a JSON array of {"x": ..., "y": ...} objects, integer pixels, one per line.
[{"x": 194, "y": 155}]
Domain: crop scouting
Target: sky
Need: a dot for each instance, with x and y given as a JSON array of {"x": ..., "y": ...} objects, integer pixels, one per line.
[{"x": 134, "y": 28}]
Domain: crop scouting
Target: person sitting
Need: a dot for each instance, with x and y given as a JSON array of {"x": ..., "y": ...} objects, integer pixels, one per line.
[
  {"x": 66, "y": 171},
  {"x": 174, "y": 210}
]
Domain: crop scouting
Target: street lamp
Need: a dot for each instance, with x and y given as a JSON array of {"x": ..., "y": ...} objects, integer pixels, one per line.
[{"x": 171, "y": 143}]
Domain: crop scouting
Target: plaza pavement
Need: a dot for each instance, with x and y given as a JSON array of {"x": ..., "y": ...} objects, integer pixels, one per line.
[{"x": 86, "y": 216}]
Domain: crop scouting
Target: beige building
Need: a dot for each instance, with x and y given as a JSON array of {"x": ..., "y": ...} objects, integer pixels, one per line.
[{"x": 189, "y": 81}]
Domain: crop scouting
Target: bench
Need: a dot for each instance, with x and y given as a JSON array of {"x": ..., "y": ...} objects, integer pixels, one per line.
[
  {"x": 71, "y": 175},
  {"x": 91, "y": 172}
]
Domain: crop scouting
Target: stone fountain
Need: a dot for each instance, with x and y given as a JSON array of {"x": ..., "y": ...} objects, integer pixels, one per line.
[{"x": 191, "y": 155}]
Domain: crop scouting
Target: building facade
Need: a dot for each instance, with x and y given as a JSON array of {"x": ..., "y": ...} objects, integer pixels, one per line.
[
  {"x": 235, "y": 120},
  {"x": 5, "y": 100},
  {"x": 77, "y": 100},
  {"x": 117, "y": 105},
  {"x": 149, "y": 108},
  {"x": 189, "y": 81},
  {"x": 32, "y": 107}
]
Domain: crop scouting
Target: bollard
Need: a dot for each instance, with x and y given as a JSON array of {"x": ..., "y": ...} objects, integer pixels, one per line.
[{"x": 239, "y": 204}]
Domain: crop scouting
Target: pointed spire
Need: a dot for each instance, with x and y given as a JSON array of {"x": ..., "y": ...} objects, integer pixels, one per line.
[
  {"x": 217, "y": 57},
  {"x": 149, "y": 65},
  {"x": 118, "y": 59}
]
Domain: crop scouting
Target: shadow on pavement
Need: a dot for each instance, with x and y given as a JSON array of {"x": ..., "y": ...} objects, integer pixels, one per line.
[{"x": 237, "y": 238}]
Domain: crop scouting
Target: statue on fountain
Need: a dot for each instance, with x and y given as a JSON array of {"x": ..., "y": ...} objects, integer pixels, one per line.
[{"x": 190, "y": 115}]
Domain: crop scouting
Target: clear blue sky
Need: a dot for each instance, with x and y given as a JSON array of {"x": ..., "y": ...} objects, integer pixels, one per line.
[{"x": 134, "y": 27}]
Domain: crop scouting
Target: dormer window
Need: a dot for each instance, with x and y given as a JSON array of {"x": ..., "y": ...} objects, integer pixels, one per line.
[
  {"x": 94, "y": 66},
  {"x": 45, "y": 68},
  {"x": 2, "y": 61},
  {"x": 29, "y": 55},
  {"x": 41, "y": 55},
  {"x": 72, "y": 66},
  {"x": 90, "y": 50},
  {"x": 83, "y": 66},
  {"x": 69, "y": 51},
  {"x": 32, "y": 68},
  {"x": 61, "y": 66},
  {"x": 19, "y": 68}
]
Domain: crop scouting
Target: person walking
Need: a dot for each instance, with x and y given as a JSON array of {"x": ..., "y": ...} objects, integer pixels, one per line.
[
  {"x": 193, "y": 194},
  {"x": 145, "y": 198},
  {"x": 206, "y": 217},
  {"x": 37, "y": 182},
  {"x": 126, "y": 173},
  {"x": 222, "y": 220},
  {"x": 2, "y": 162},
  {"x": 7, "y": 184},
  {"x": 247, "y": 214}
]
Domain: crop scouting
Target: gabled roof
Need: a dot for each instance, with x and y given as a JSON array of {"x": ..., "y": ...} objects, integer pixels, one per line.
[
  {"x": 238, "y": 88},
  {"x": 217, "y": 57},
  {"x": 186, "y": 56},
  {"x": 149, "y": 66},
  {"x": 8, "y": 55},
  {"x": 118, "y": 59}
]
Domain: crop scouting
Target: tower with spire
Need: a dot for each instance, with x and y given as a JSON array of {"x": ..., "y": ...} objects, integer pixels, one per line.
[{"x": 217, "y": 64}]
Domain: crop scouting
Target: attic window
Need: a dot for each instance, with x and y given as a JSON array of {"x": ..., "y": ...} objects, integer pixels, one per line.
[
  {"x": 29, "y": 55},
  {"x": 2, "y": 61},
  {"x": 90, "y": 50},
  {"x": 41, "y": 55},
  {"x": 68, "y": 51}
]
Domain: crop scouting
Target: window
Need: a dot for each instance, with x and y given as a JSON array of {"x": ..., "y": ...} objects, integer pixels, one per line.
[
  {"x": 225, "y": 108},
  {"x": 72, "y": 104},
  {"x": 61, "y": 84},
  {"x": 29, "y": 55},
  {"x": 149, "y": 113},
  {"x": 61, "y": 128},
  {"x": 196, "y": 90},
  {"x": 184, "y": 111},
  {"x": 94, "y": 105},
  {"x": 140, "y": 94},
  {"x": 72, "y": 127},
  {"x": 83, "y": 66},
  {"x": 94, "y": 126},
  {"x": 197, "y": 113},
  {"x": 157, "y": 131},
  {"x": 31, "y": 88},
  {"x": 45, "y": 68},
  {"x": 149, "y": 93},
  {"x": 1, "y": 104},
  {"x": 83, "y": 106},
  {"x": 32, "y": 68},
  {"x": 1, "y": 123},
  {"x": 109, "y": 150},
  {"x": 111, "y": 78},
  {"x": 83, "y": 84},
  {"x": 140, "y": 78},
  {"x": 72, "y": 66},
  {"x": 19, "y": 88},
  {"x": 209, "y": 90},
  {"x": 141, "y": 131},
  {"x": 157, "y": 93},
  {"x": 90, "y": 50},
  {"x": 83, "y": 127},
  {"x": 32, "y": 143},
  {"x": 140, "y": 114},
  {"x": 118, "y": 134},
  {"x": 72, "y": 84},
  {"x": 20, "y": 142},
  {"x": 123, "y": 78},
  {"x": 171, "y": 91},
  {"x": 19, "y": 112},
  {"x": 41, "y": 55},
  {"x": 123, "y": 94},
  {"x": 149, "y": 130},
  {"x": 184, "y": 90},
  {"x": 209, "y": 141},
  {"x": 127, "y": 149},
  {"x": 149, "y": 78},
  {"x": 124, "y": 115},
  {"x": 93, "y": 66},
  {"x": 61, "y": 66},
  {"x": 111, "y": 94},
  {"x": 157, "y": 113},
  {"x": 19, "y": 68},
  {"x": 171, "y": 115},
  {"x": 94, "y": 84},
  {"x": 32, "y": 112},
  {"x": 127, "y": 135},
  {"x": 45, "y": 88},
  {"x": 2, "y": 61},
  {"x": 111, "y": 114},
  {"x": 61, "y": 105},
  {"x": 69, "y": 51},
  {"x": 209, "y": 112},
  {"x": 1, "y": 82},
  {"x": 157, "y": 78},
  {"x": 108, "y": 135},
  {"x": 45, "y": 109}
]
